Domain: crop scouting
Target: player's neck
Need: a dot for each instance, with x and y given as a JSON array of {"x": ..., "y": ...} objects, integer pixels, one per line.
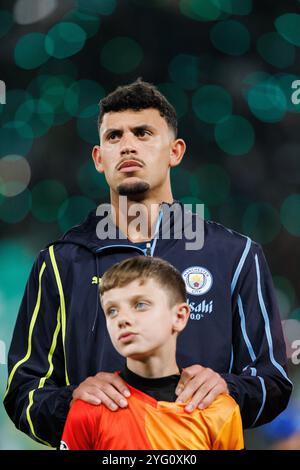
[{"x": 137, "y": 219}]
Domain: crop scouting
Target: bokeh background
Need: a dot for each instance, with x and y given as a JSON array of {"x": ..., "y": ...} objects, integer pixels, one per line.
[{"x": 226, "y": 65}]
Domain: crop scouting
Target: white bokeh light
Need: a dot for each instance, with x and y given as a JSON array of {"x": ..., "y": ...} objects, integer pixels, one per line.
[
  {"x": 15, "y": 175},
  {"x": 31, "y": 11}
]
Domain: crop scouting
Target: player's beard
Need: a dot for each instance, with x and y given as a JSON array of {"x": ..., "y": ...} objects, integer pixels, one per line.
[{"x": 133, "y": 189}]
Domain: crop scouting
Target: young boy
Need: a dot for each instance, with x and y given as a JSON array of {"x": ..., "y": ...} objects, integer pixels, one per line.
[{"x": 144, "y": 301}]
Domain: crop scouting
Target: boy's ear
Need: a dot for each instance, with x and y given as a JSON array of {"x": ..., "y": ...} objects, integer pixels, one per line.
[{"x": 181, "y": 316}]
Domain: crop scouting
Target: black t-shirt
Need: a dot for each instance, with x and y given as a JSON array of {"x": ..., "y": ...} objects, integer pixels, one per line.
[{"x": 162, "y": 389}]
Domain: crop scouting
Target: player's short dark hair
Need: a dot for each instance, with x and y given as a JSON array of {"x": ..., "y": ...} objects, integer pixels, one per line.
[
  {"x": 144, "y": 268},
  {"x": 137, "y": 96}
]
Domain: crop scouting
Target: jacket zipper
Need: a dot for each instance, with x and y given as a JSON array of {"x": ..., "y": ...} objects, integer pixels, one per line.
[{"x": 148, "y": 248}]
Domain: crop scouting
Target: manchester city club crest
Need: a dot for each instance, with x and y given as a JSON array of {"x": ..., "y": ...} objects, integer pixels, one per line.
[{"x": 197, "y": 280}]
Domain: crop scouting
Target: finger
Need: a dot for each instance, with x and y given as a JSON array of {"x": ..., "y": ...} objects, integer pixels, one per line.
[
  {"x": 108, "y": 402},
  {"x": 187, "y": 374},
  {"x": 88, "y": 393},
  {"x": 111, "y": 395},
  {"x": 193, "y": 386},
  {"x": 200, "y": 395},
  {"x": 87, "y": 397},
  {"x": 115, "y": 380},
  {"x": 211, "y": 396}
]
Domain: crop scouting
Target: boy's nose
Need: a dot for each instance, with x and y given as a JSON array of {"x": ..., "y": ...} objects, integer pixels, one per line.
[{"x": 124, "y": 319}]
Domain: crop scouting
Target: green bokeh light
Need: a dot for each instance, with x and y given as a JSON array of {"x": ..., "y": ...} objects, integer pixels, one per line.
[
  {"x": 255, "y": 78},
  {"x": 230, "y": 37},
  {"x": 88, "y": 22},
  {"x": 30, "y": 51},
  {"x": 176, "y": 96},
  {"x": 104, "y": 7},
  {"x": 82, "y": 96},
  {"x": 290, "y": 214},
  {"x": 14, "y": 209},
  {"x": 288, "y": 25},
  {"x": 14, "y": 98},
  {"x": 87, "y": 127},
  {"x": 47, "y": 198},
  {"x": 38, "y": 114},
  {"x": 212, "y": 103},
  {"x": 213, "y": 184},
  {"x": 234, "y": 7},
  {"x": 92, "y": 183},
  {"x": 121, "y": 55},
  {"x": 204, "y": 10},
  {"x": 12, "y": 142},
  {"x": 275, "y": 50},
  {"x": 267, "y": 101},
  {"x": 53, "y": 91},
  {"x": 6, "y": 22},
  {"x": 184, "y": 71},
  {"x": 73, "y": 211},
  {"x": 235, "y": 135},
  {"x": 64, "y": 40},
  {"x": 261, "y": 222}
]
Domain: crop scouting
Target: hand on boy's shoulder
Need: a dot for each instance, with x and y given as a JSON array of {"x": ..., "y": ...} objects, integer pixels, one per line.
[
  {"x": 201, "y": 385},
  {"x": 106, "y": 388}
]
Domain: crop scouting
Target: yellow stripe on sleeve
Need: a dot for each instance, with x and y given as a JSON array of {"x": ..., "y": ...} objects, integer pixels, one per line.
[
  {"x": 62, "y": 305},
  {"x": 43, "y": 379},
  {"x": 31, "y": 327}
]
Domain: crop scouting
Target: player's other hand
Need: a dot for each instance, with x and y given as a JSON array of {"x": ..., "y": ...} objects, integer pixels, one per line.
[
  {"x": 201, "y": 386},
  {"x": 104, "y": 387}
]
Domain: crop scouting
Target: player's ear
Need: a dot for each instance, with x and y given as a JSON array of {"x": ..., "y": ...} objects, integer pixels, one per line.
[
  {"x": 181, "y": 316},
  {"x": 97, "y": 157},
  {"x": 177, "y": 149}
]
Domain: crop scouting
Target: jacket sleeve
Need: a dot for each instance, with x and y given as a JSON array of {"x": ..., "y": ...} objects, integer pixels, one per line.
[
  {"x": 257, "y": 378},
  {"x": 38, "y": 390}
]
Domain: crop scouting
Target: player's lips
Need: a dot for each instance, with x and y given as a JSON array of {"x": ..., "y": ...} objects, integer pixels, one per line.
[
  {"x": 126, "y": 336},
  {"x": 128, "y": 166}
]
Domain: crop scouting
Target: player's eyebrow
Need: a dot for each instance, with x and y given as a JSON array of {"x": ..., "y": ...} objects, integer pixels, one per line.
[{"x": 146, "y": 127}]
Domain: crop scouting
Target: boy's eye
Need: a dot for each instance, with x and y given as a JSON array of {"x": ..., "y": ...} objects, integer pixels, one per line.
[
  {"x": 112, "y": 312},
  {"x": 141, "y": 306}
]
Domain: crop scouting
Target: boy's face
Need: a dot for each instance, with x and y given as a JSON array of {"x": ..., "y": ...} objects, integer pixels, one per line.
[
  {"x": 136, "y": 151},
  {"x": 140, "y": 320}
]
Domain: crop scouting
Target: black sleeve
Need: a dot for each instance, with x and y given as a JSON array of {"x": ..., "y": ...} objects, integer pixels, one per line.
[
  {"x": 38, "y": 391},
  {"x": 257, "y": 379}
]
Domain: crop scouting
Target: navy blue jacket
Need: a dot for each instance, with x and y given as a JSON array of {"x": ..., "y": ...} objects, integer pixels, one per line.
[{"x": 60, "y": 337}]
